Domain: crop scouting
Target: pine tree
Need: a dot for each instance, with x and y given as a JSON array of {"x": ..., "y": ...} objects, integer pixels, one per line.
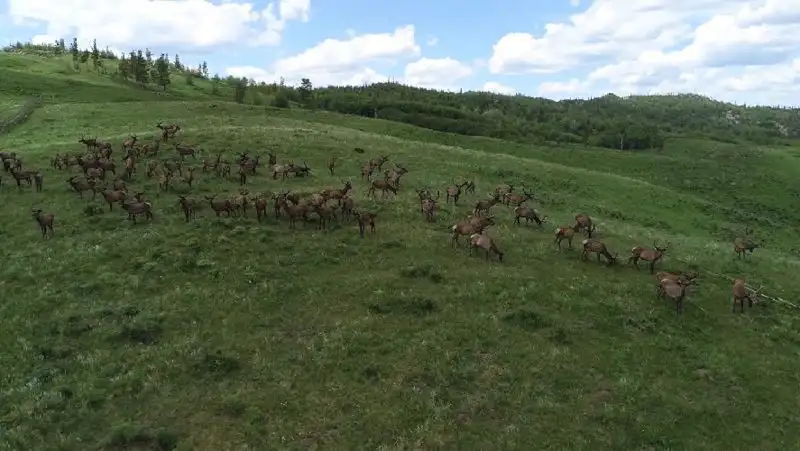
[
  {"x": 204, "y": 69},
  {"x": 162, "y": 71},
  {"x": 73, "y": 49},
  {"x": 124, "y": 67},
  {"x": 95, "y": 54},
  {"x": 148, "y": 56},
  {"x": 178, "y": 65},
  {"x": 240, "y": 90},
  {"x": 141, "y": 73}
]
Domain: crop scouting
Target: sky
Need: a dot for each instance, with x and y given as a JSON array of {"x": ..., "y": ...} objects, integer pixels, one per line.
[{"x": 738, "y": 51}]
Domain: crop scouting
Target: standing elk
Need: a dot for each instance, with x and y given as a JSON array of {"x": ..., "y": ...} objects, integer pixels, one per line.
[
  {"x": 686, "y": 278},
  {"x": 185, "y": 151},
  {"x": 584, "y": 222},
  {"x": 220, "y": 205},
  {"x": 469, "y": 226},
  {"x": 396, "y": 174},
  {"x": 80, "y": 185},
  {"x": 740, "y": 294},
  {"x": 129, "y": 143},
  {"x": 332, "y": 164},
  {"x": 189, "y": 207},
  {"x": 337, "y": 193},
  {"x": 483, "y": 241},
  {"x": 347, "y": 207},
  {"x": 674, "y": 289},
  {"x": 45, "y": 221},
  {"x": 565, "y": 233},
  {"x": 597, "y": 247},
  {"x": 743, "y": 245},
  {"x": 168, "y": 131},
  {"x": 503, "y": 189},
  {"x": 211, "y": 164},
  {"x": 649, "y": 255},
  {"x": 113, "y": 196},
  {"x": 294, "y": 211},
  {"x": 429, "y": 206},
  {"x": 483, "y": 206},
  {"x": 365, "y": 219},
  {"x": 137, "y": 208},
  {"x": 516, "y": 199},
  {"x": 454, "y": 191},
  {"x": 384, "y": 186},
  {"x": 260, "y": 205}
]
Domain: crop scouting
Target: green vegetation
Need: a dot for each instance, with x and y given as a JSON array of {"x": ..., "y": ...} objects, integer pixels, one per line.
[{"x": 230, "y": 334}]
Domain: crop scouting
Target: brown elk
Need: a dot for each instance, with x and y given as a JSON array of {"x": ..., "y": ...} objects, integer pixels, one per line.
[
  {"x": 483, "y": 206},
  {"x": 674, "y": 290},
  {"x": 483, "y": 241},
  {"x": 294, "y": 211},
  {"x": 96, "y": 173},
  {"x": 649, "y": 255},
  {"x": 332, "y": 164},
  {"x": 565, "y": 233},
  {"x": 470, "y": 187},
  {"x": 325, "y": 213},
  {"x": 81, "y": 184},
  {"x": 503, "y": 189},
  {"x": 686, "y": 278},
  {"x": 129, "y": 143},
  {"x": 517, "y": 199},
  {"x": 365, "y": 219},
  {"x": 185, "y": 151},
  {"x": 136, "y": 208},
  {"x": 336, "y": 193},
  {"x": 172, "y": 167},
  {"x": 384, "y": 186},
  {"x": 113, "y": 196},
  {"x": 168, "y": 131},
  {"x": 188, "y": 178},
  {"x": 240, "y": 201},
  {"x": 454, "y": 192},
  {"x": 45, "y": 221},
  {"x": 429, "y": 207},
  {"x": 347, "y": 206},
  {"x": 248, "y": 163},
  {"x": 396, "y": 174},
  {"x": 260, "y": 205},
  {"x": 743, "y": 245},
  {"x": 90, "y": 143},
  {"x": 597, "y": 247},
  {"x": 189, "y": 207},
  {"x": 740, "y": 294},
  {"x": 469, "y": 226},
  {"x": 301, "y": 171},
  {"x": 38, "y": 181},
  {"x": 584, "y": 222},
  {"x": 22, "y": 176},
  {"x": 130, "y": 167},
  {"x": 118, "y": 184},
  {"x": 524, "y": 211},
  {"x": 220, "y": 205},
  {"x": 212, "y": 163},
  {"x": 163, "y": 181},
  {"x": 424, "y": 195},
  {"x": 379, "y": 162}
]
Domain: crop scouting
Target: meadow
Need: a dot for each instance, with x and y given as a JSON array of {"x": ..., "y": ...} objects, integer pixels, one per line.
[{"x": 227, "y": 333}]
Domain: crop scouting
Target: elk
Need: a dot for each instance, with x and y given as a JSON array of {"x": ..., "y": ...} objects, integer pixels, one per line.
[
  {"x": 188, "y": 178},
  {"x": 325, "y": 214},
  {"x": 517, "y": 199},
  {"x": 523, "y": 211},
  {"x": 212, "y": 163},
  {"x": 294, "y": 211},
  {"x": 220, "y": 205},
  {"x": 22, "y": 176},
  {"x": 503, "y": 189},
  {"x": 597, "y": 247},
  {"x": 272, "y": 159},
  {"x": 470, "y": 187},
  {"x": 80, "y": 185},
  {"x": 224, "y": 169},
  {"x": 152, "y": 168},
  {"x": 584, "y": 222},
  {"x": 118, "y": 184},
  {"x": 567, "y": 233},
  {"x": 96, "y": 173},
  {"x": 260, "y": 205},
  {"x": 249, "y": 164},
  {"x": 332, "y": 164},
  {"x": 136, "y": 208},
  {"x": 184, "y": 151},
  {"x": 168, "y": 131},
  {"x": 396, "y": 174},
  {"x": 483, "y": 241},
  {"x": 90, "y": 143},
  {"x": 112, "y": 196},
  {"x": 378, "y": 162},
  {"x": 281, "y": 169},
  {"x": 483, "y": 206},
  {"x": 163, "y": 181},
  {"x": 365, "y": 219},
  {"x": 740, "y": 294},
  {"x": 38, "y": 181},
  {"x": 686, "y": 278},
  {"x": 347, "y": 206},
  {"x": 240, "y": 201},
  {"x": 649, "y": 255},
  {"x": 423, "y": 196},
  {"x": 189, "y": 207},
  {"x": 276, "y": 205},
  {"x": 429, "y": 208},
  {"x": 172, "y": 166},
  {"x": 743, "y": 245},
  {"x": 45, "y": 221},
  {"x": 129, "y": 143},
  {"x": 469, "y": 226},
  {"x": 301, "y": 171},
  {"x": 454, "y": 191},
  {"x": 384, "y": 186},
  {"x": 338, "y": 194},
  {"x": 130, "y": 167},
  {"x": 674, "y": 290}
]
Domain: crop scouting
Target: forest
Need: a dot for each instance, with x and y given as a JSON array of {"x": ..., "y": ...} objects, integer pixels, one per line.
[{"x": 630, "y": 123}]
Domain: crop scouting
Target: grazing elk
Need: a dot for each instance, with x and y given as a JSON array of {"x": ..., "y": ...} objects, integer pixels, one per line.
[
  {"x": 23, "y": 176},
  {"x": 524, "y": 211},
  {"x": 45, "y": 221},
  {"x": 649, "y": 255},
  {"x": 565, "y": 233},
  {"x": 743, "y": 245},
  {"x": 740, "y": 294},
  {"x": 454, "y": 191},
  {"x": 483, "y": 241},
  {"x": 483, "y": 206},
  {"x": 584, "y": 222},
  {"x": 597, "y": 247},
  {"x": 325, "y": 213}
]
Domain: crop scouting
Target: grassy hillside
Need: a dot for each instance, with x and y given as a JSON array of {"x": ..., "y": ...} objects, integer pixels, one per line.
[{"x": 230, "y": 334}]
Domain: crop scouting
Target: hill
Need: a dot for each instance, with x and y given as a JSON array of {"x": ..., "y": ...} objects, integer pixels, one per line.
[{"x": 230, "y": 333}]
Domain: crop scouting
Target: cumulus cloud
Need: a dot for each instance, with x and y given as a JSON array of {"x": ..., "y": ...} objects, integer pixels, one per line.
[
  {"x": 498, "y": 88},
  {"x": 335, "y": 61},
  {"x": 436, "y": 73},
  {"x": 187, "y": 23}
]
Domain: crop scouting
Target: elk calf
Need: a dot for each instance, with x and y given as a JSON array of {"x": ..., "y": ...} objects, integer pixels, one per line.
[{"x": 45, "y": 221}]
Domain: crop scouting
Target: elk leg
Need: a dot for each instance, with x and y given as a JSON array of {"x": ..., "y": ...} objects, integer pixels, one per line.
[{"x": 652, "y": 266}]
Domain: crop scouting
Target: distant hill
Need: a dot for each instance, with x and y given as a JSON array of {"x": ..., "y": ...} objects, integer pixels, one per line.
[{"x": 632, "y": 123}]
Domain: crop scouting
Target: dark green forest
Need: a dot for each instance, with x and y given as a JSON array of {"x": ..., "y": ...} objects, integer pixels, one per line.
[{"x": 631, "y": 123}]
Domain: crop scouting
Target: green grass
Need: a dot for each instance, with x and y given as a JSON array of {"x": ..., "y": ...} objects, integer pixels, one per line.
[{"x": 229, "y": 334}]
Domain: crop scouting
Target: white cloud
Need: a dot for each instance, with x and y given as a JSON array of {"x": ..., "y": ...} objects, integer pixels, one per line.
[
  {"x": 436, "y": 73},
  {"x": 189, "y": 23},
  {"x": 498, "y": 88},
  {"x": 334, "y": 61}
]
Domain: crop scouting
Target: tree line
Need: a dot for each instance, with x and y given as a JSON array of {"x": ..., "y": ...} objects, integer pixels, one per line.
[{"x": 633, "y": 123}]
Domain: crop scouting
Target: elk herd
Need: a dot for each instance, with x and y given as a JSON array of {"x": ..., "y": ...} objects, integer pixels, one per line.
[{"x": 98, "y": 174}]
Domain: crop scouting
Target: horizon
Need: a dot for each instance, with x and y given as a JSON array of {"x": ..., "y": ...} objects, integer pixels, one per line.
[{"x": 741, "y": 52}]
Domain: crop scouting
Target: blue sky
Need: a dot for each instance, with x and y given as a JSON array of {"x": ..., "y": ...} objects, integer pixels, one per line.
[{"x": 743, "y": 51}]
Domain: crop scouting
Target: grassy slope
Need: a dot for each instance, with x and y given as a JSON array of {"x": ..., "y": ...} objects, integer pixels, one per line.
[{"x": 272, "y": 338}]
